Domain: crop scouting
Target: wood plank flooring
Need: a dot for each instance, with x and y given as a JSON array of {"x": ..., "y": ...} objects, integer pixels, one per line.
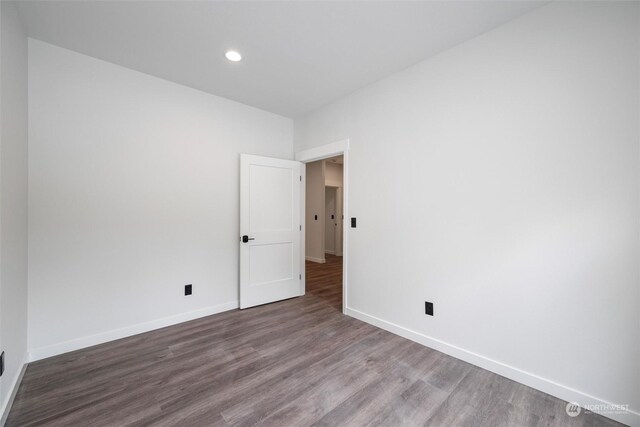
[
  {"x": 298, "y": 362},
  {"x": 325, "y": 280}
]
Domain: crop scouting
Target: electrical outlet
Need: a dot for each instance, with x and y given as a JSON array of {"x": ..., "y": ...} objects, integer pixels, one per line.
[
  {"x": 1, "y": 363},
  {"x": 353, "y": 223},
  {"x": 428, "y": 308},
  {"x": 188, "y": 289}
]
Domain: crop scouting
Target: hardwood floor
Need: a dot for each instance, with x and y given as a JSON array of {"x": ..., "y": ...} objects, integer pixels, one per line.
[
  {"x": 296, "y": 363},
  {"x": 325, "y": 280}
]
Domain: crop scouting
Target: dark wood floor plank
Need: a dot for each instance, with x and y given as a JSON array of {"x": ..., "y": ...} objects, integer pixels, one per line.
[
  {"x": 366, "y": 404},
  {"x": 411, "y": 407},
  {"x": 292, "y": 363},
  {"x": 325, "y": 280}
]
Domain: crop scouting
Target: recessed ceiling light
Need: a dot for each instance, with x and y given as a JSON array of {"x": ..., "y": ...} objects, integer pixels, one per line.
[{"x": 232, "y": 55}]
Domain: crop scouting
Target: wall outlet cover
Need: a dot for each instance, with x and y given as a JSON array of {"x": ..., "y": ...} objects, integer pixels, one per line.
[{"x": 428, "y": 308}]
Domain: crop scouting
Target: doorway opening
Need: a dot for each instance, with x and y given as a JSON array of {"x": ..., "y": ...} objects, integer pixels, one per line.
[{"x": 324, "y": 231}]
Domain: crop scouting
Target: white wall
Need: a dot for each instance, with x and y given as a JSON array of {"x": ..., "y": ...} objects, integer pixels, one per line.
[
  {"x": 13, "y": 198},
  {"x": 314, "y": 205},
  {"x": 333, "y": 177},
  {"x": 329, "y": 223},
  {"x": 133, "y": 193},
  {"x": 333, "y": 174},
  {"x": 510, "y": 199},
  {"x": 339, "y": 221}
]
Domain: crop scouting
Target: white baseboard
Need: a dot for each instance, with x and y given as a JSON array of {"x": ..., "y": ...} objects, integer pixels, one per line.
[
  {"x": 79, "y": 343},
  {"x": 6, "y": 405},
  {"x": 330, "y": 252},
  {"x": 314, "y": 259},
  {"x": 560, "y": 391}
]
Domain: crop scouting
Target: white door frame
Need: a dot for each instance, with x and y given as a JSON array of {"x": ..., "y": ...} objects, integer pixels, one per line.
[{"x": 319, "y": 153}]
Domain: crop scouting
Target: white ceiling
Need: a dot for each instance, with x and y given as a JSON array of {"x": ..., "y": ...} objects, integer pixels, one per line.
[{"x": 298, "y": 55}]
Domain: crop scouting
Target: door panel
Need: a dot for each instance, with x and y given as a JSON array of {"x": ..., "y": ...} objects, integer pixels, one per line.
[
  {"x": 270, "y": 218},
  {"x": 270, "y": 198},
  {"x": 270, "y": 263}
]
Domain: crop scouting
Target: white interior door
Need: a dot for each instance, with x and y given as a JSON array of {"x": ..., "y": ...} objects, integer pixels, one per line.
[{"x": 270, "y": 229}]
